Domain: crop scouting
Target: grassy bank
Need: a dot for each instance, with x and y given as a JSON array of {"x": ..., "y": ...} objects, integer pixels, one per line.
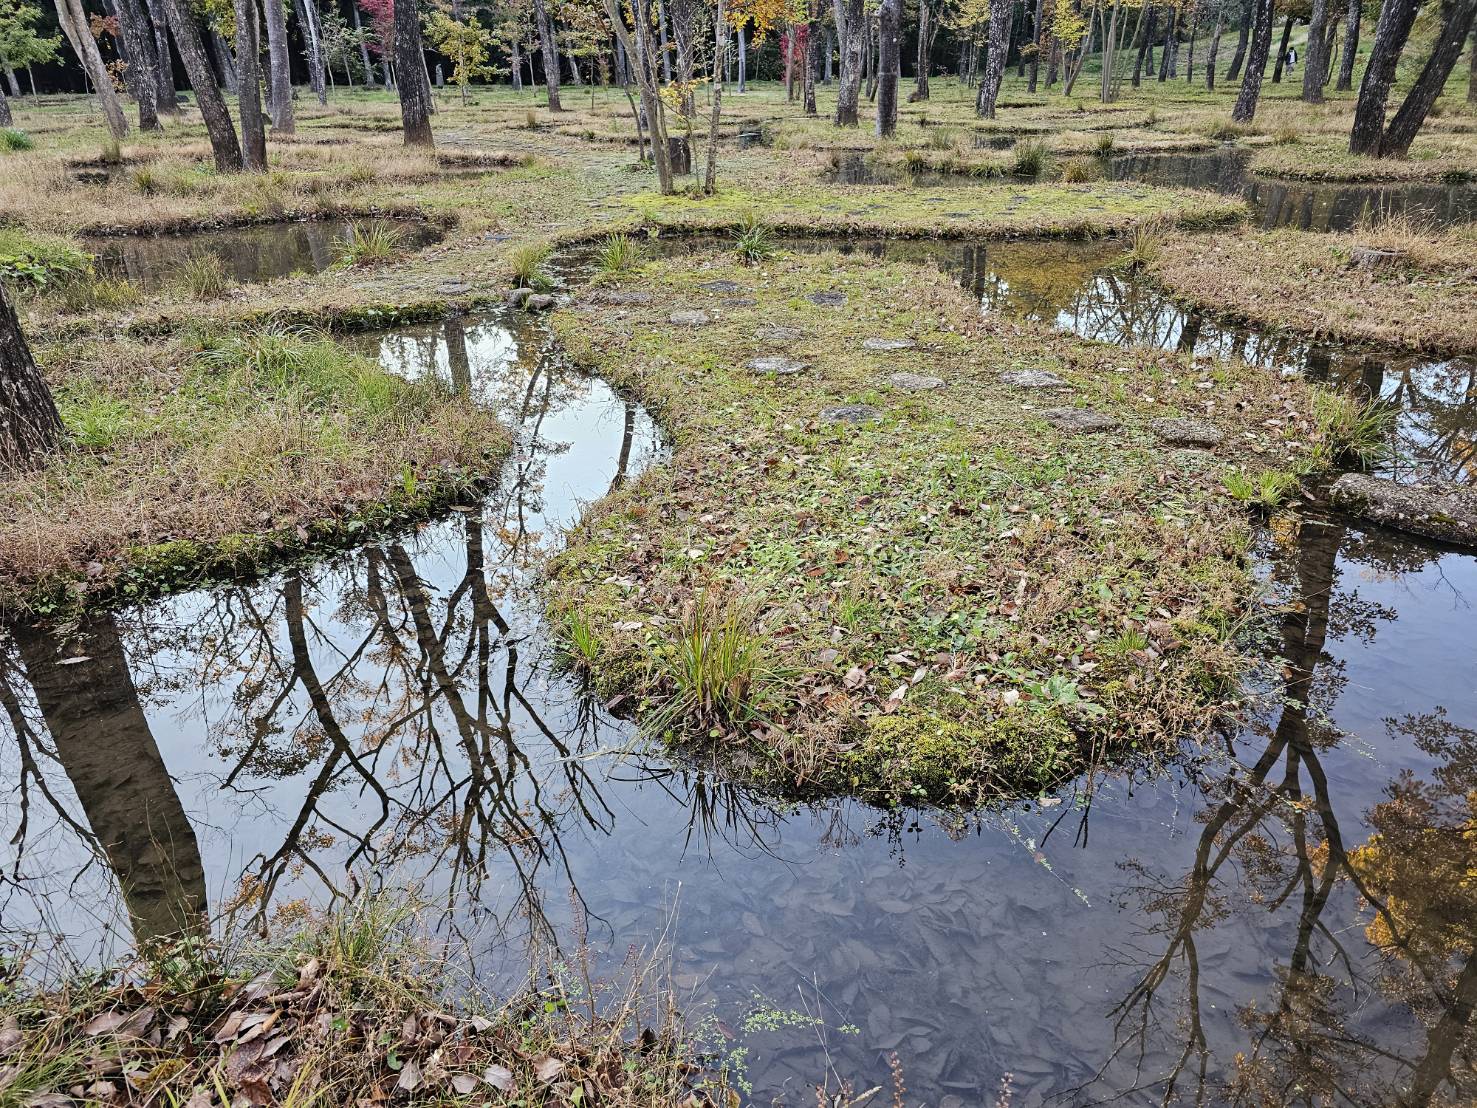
[
  {"x": 221, "y": 452},
  {"x": 1420, "y": 297},
  {"x": 948, "y": 592},
  {"x": 356, "y": 1007}
]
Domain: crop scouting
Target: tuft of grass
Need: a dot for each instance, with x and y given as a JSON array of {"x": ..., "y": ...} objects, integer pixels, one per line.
[
  {"x": 1351, "y": 429},
  {"x": 1079, "y": 171},
  {"x": 90, "y": 293},
  {"x": 1266, "y": 489},
  {"x": 1031, "y": 159},
  {"x": 1286, "y": 135},
  {"x": 579, "y": 647},
  {"x": 12, "y": 140},
  {"x": 111, "y": 153},
  {"x": 754, "y": 242},
  {"x": 1104, "y": 145},
  {"x": 201, "y": 276},
  {"x": 619, "y": 254},
  {"x": 715, "y": 668},
  {"x": 368, "y": 244},
  {"x": 1144, "y": 246},
  {"x": 527, "y": 263},
  {"x": 530, "y": 119}
]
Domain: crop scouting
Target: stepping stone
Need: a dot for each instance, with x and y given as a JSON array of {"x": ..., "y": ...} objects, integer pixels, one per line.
[
  {"x": 827, "y": 299},
  {"x": 539, "y": 302},
  {"x": 616, "y": 296},
  {"x": 850, "y": 413},
  {"x": 778, "y": 333},
  {"x": 516, "y": 297},
  {"x": 690, "y": 317},
  {"x": 454, "y": 288},
  {"x": 1033, "y": 379},
  {"x": 1079, "y": 419},
  {"x": 888, "y": 344},
  {"x": 723, "y": 286},
  {"x": 1435, "y": 509},
  {"x": 914, "y": 382},
  {"x": 776, "y": 364},
  {"x": 1187, "y": 432},
  {"x": 739, "y": 302}
]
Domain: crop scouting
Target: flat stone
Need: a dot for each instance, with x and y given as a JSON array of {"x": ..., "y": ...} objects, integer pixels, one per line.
[
  {"x": 827, "y": 299},
  {"x": 454, "y": 288},
  {"x": 539, "y": 302},
  {"x": 778, "y": 333},
  {"x": 888, "y": 344},
  {"x": 723, "y": 286},
  {"x": 616, "y": 296},
  {"x": 1435, "y": 509},
  {"x": 1033, "y": 379},
  {"x": 1079, "y": 419},
  {"x": 739, "y": 302},
  {"x": 914, "y": 382},
  {"x": 776, "y": 364},
  {"x": 690, "y": 317},
  {"x": 517, "y": 296},
  {"x": 850, "y": 413},
  {"x": 1187, "y": 432}
]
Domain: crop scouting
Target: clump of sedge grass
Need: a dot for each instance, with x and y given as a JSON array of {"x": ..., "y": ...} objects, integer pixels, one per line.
[
  {"x": 619, "y": 254},
  {"x": 754, "y": 242},
  {"x": 1079, "y": 171},
  {"x": 112, "y": 153},
  {"x": 1286, "y": 135},
  {"x": 1031, "y": 159},
  {"x": 1144, "y": 246},
  {"x": 1351, "y": 429},
  {"x": 201, "y": 276},
  {"x": 1266, "y": 489},
  {"x": 715, "y": 670},
  {"x": 579, "y": 647},
  {"x": 92, "y": 292},
  {"x": 12, "y": 140},
  {"x": 368, "y": 244},
  {"x": 1104, "y": 146},
  {"x": 527, "y": 263}
]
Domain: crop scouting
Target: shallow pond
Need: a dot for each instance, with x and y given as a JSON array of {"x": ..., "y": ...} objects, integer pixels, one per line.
[
  {"x": 262, "y": 252},
  {"x": 396, "y": 715}
]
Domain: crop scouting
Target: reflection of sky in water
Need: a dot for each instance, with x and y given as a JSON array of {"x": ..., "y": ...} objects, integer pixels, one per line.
[{"x": 1002, "y": 943}]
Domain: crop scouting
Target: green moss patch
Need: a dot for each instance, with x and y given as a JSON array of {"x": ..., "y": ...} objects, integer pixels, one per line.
[{"x": 919, "y": 587}]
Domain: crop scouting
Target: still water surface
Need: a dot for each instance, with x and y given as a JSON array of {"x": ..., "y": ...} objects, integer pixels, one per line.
[{"x": 395, "y": 714}]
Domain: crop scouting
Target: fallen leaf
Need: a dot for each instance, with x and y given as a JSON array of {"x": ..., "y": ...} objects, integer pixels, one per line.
[
  {"x": 463, "y": 1083},
  {"x": 410, "y": 1077},
  {"x": 499, "y": 1077},
  {"x": 547, "y": 1069}
]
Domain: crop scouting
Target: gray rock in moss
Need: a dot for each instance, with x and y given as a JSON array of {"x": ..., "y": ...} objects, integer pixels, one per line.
[
  {"x": 1187, "y": 432},
  {"x": 1435, "y": 509},
  {"x": 850, "y": 413},
  {"x": 1083, "y": 420}
]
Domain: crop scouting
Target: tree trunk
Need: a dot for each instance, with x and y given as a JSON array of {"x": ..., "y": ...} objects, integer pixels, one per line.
[
  {"x": 1316, "y": 63},
  {"x": 995, "y": 48},
  {"x": 1110, "y": 47},
  {"x": 1143, "y": 44},
  {"x": 889, "y": 64},
  {"x": 812, "y": 46},
  {"x": 720, "y": 61},
  {"x": 142, "y": 74},
  {"x": 1472, "y": 71},
  {"x": 165, "y": 98},
  {"x": 1190, "y": 49},
  {"x": 743, "y": 61},
  {"x": 640, "y": 51},
  {"x": 279, "y": 73},
  {"x": 363, "y": 46},
  {"x": 515, "y": 66},
  {"x": 186, "y": 31},
  {"x": 1242, "y": 35},
  {"x": 550, "y": 55},
  {"x": 78, "y": 29},
  {"x": 1256, "y": 62},
  {"x": 6, "y": 118},
  {"x": 225, "y": 62},
  {"x": 1039, "y": 38},
  {"x": 1390, "y": 34},
  {"x": 1282, "y": 51},
  {"x": 828, "y": 52},
  {"x": 1167, "y": 51},
  {"x": 414, "y": 85},
  {"x": 249, "y": 82},
  {"x": 920, "y": 65},
  {"x": 15, "y": 86},
  {"x": 1351, "y": 45},
  {"x": 849, "y": 90},
  {"x": 661, "y": 32},
  {"x": 307, "y": 18},
  {"x": 30, "y": 427},
  {"x": 1456, "y": 24}
]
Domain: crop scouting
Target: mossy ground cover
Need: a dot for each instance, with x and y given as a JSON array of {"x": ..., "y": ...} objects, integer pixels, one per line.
[
  {"x": 956, "y": 599},
  {"x": 1423, "y": 298},
  {"x": 223, "y": 452}
]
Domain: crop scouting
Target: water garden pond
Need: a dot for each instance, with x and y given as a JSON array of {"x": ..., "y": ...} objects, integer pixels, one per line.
[
  {"x": 397, "y": 715},
  {"x": 249, "y": 255}
]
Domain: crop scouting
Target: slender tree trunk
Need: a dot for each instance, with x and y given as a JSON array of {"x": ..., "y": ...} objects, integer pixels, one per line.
[
  {"x": 995, "y": 48},
  {"x": 1110, "y": 46},
  {"x": 1040, "y": 43},
  {"x": 1472, "y": 70},
  {"x": 889, "y": 64},
  {"x": 225, "y": 62},
  {"x": 1166, "y": 54},
  {"x": 743, "y": 60},
  {"x": 363, "y": 46},
  {"x": 1256, "y": 62},
  {"x": 812, "y": 46},
  {"x": 720, "y": 60},
  {"x": 515, "y": 66},
  {"x": 1143, "y": 45},
  {"x": 640, "y": 51},
  {"x": 920, "y": 65},
  {"x": 1390, "y": 34},
  {"x": 249, "y": 82},
  {"x": 6, "y": 118},
  {"x": 849, "y": 92},
  {"x": 1215, "y": 48},
  {"x": 279, "y": 73},
  {"x": 1282, "y": 51},
  {"x": 661, "y": 28},
  {"x": 1351, "y": 45},
  {"x": 75, "y": 26},
  {"x": 30, "y": 427},
  {"x": 1456, "y": 25},
  {"x": 165, "y": 98},
  {"x": 307, "y": 17},
  {"x": 550, "y": 55},
  {"x": 1190, "y": 48},
  {"x": 185, "y": 29},
  {"x": 828, "y": 53},
  {"x": 1242, "y": 35},
  {"x": 15, "y": 86},
  {"x": 1316, "y": 64},
  {"x": 142, "y": 74},
  {"x": 869, "y": 59},
  {"x": 414, "y": 85}
]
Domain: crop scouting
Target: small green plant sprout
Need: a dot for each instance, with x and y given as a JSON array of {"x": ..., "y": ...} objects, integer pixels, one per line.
[
  {"x": 1264, "y": 490},
  {"x": 579, "y": 648},
  {"x": 1031, "y": 159},
  {"x": 202, "y": 276},
  {"x": 714, "y": 669},
  {"x": 1349, "y": 428},
  {"x": 1104, "y": 144},
  {"x": 13, "y": 140},
  {"x": 368, "y": 244},
  {"x": 1126, "y": 643},
  {"x": 754, "y": 242},
  {"x": 619, "y": 254},
  {"x": 527, "y": 263}
]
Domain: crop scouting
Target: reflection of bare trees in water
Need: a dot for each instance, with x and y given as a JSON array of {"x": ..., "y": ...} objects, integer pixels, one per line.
[{"x": 1274, "y": 843}]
